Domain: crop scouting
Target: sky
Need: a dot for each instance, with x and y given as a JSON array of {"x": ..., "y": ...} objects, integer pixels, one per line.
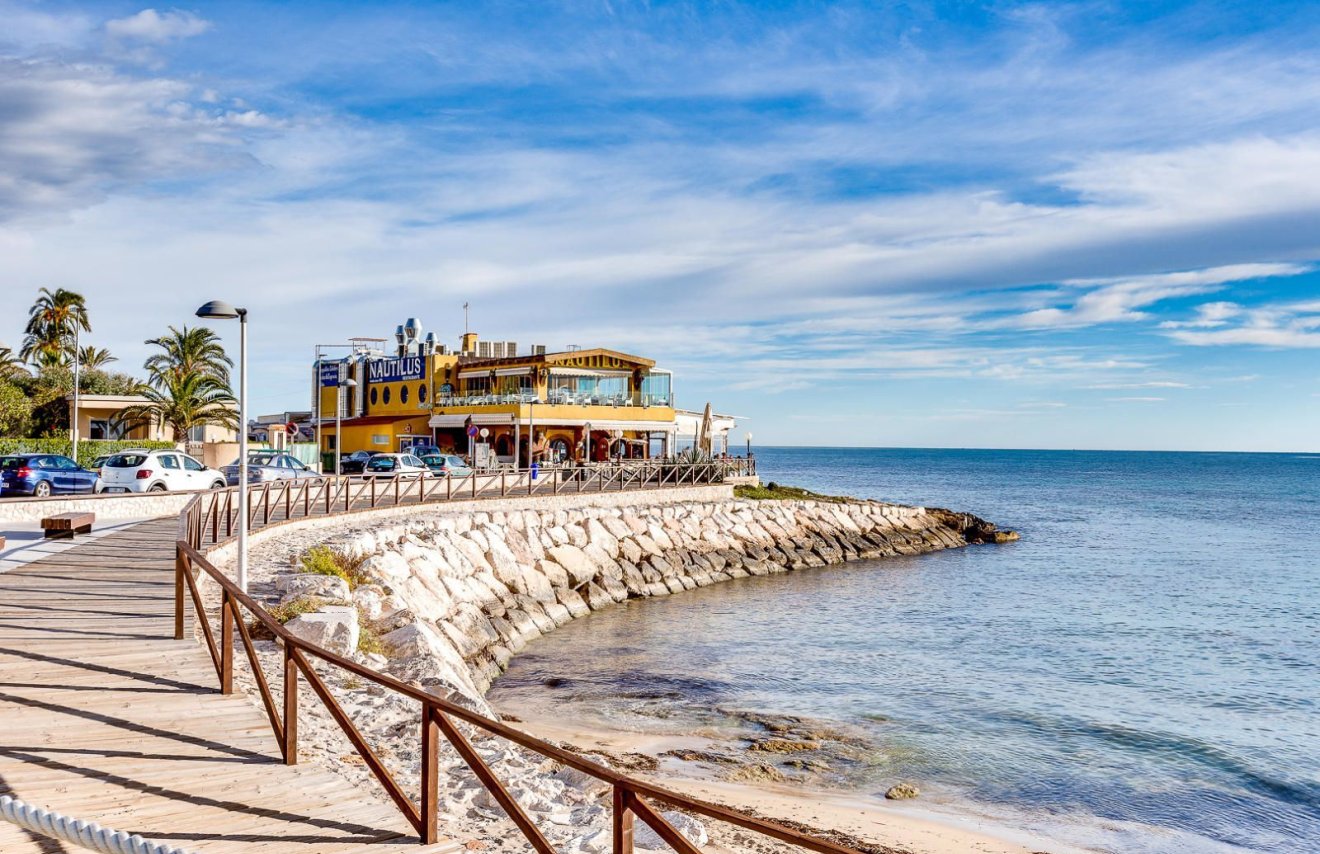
[{"x": 958, "y": 224}]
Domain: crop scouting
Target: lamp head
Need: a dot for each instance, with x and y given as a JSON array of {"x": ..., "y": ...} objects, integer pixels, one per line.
[
  {"x": 350, "y": 383},
  {"x": 218, "y": 309}
]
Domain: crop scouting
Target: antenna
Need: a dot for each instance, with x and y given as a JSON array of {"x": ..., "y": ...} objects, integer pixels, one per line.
[{"x": 465, "y": 319}]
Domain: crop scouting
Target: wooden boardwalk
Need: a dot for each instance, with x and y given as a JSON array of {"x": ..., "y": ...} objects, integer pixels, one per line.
[{"x": 105, "y": 717}]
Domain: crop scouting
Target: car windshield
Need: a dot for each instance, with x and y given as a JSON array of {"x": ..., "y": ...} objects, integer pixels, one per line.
[
  {"x": 260, "y": 459},
  {"x": 381, "y": 463},
  {"x": 433, "y": 460},
  {"x": 125, "y": 461},
  {"x": 455, "y": 461},
  {"x": 11, "y": 463},
  {"x": 98, "y": 462}
]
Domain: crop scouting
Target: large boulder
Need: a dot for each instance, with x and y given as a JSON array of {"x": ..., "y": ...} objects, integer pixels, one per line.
[
  {"x": 575, "y": 562},
  {"x": 693, "y": 830},
  {"x": 311, "y": 584},
  {"x": 334, "y": 627}
]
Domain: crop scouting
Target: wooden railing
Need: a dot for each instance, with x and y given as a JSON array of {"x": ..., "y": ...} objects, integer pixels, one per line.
[
  {"x": 215, "y": 518},
  {"x": 631, "y": 798}
]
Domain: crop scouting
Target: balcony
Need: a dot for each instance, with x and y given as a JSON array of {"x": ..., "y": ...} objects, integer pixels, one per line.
[{"x": 556, "y": 398}]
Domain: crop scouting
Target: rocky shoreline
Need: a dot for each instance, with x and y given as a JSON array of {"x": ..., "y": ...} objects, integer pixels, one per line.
[{"x": 443, "y": 598}]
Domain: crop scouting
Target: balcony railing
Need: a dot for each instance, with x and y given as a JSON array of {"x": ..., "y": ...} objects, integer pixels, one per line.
[{"x": 555, "y": 398}]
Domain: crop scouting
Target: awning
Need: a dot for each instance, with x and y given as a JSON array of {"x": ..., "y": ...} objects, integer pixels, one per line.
[
  {"x": 587, "y": 372},
  {"x": 500, "y": 372},
  {"x": 459, "y": 419}
]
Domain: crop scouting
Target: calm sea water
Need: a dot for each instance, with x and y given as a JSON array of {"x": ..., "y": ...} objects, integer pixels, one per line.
[{"x": 1140, "y": 673}]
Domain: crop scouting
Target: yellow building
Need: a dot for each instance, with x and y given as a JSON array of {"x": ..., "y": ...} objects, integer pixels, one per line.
[{"x": 577, "y": 404}]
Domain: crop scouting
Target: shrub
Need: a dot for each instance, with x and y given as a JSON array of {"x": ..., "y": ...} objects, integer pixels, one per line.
[
  {"x": 283, "y": 612},
  {"x": 778, "y": 492},
  {"x": 88, "y": 449},
  {"x": 321, "y": 560}
]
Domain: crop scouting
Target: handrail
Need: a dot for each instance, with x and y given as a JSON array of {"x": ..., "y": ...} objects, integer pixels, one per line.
[{"x": 438, "y": 715}]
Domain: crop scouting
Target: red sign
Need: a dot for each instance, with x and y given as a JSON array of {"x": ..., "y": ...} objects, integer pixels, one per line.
[
  {"x": 472, "y": 431},
  {"x": 291, "y": 429}
]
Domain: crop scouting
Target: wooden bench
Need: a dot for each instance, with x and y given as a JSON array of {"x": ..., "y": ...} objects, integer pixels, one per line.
[{"x": 66, "y": 525}]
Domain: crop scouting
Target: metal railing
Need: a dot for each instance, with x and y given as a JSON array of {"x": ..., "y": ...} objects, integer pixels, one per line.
[{"x": 631, "y": 798}]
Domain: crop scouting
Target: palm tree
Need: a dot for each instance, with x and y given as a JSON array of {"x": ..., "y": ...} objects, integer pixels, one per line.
[
  {"x": 182, "y": 403},
  {"x": 188, "y": 351},
  {"x": 53, "y": 319},
  {"x": 11, "y": 366},
  {"x": 94, "y": 358}
]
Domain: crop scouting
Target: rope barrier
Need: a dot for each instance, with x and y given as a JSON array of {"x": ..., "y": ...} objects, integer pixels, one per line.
[{"x": 88, "y": 834}]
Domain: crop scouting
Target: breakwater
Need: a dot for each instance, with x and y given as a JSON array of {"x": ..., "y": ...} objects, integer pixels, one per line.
[{"x": 445, "y": 597}]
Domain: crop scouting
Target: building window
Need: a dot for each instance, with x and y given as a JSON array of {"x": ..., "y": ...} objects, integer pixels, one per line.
[
  {"x": 403, "y": 394},
  {"x": 385, "y": 398},
  {"x": 421, "y": 393},
  {"x": 373, "y": 395}
]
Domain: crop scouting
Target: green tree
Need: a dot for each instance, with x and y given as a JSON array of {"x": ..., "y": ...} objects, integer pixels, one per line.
[
  {"x": 186, "y": 352},
  {"x": 52, "y": 321},
  {"x": 15, "y": 411},
  {"x": 182, "y": 403},
  {"x": 94, "y": 358}
]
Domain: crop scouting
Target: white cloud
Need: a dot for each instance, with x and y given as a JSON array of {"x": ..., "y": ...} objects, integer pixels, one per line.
[
  {"x": 1208, "y": 315},
  {"x": 1277, "y": 325},
  {"x": 1111, "y": 300},
  {"x": 155, "y": 27},
  {"x": 1137, "y": 399}
]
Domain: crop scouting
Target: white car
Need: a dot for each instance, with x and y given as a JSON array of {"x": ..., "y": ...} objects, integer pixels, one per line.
[
  {"x": 157, "y": 471},
  {"x": 407, "y": 466}
]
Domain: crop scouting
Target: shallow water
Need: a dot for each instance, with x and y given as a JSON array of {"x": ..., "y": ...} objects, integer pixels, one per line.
[{"x": 1139, "y": 673}]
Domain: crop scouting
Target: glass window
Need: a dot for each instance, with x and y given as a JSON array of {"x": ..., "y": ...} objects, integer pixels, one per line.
[
  {"x": 385, "y": 396},
  {"x": 169, "y": 461},
  {"x": 403, "y": 394},
  {"x": 125, "y": 461},
  {"x": 373, "y": 396},
  {"x": 192, "y": 465},
  {"x": 65, "y": 464},
  {"x": 421, "y": 393}
]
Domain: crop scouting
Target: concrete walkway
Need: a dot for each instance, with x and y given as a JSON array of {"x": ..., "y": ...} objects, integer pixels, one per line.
[{"x": 107, "y": 718}]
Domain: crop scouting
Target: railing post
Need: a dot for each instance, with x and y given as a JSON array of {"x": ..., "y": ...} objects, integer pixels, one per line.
[
  {"x": 227, "y": 617},
  {"x": 179, "y": 569},
  {"x": 623, "y": 821},
  {"x": 290, "y": 746},
  {"x": 429, "y": 807}
]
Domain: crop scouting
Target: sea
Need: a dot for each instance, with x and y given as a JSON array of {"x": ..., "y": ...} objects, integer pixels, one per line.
[{"x": 1139, "y": 673}]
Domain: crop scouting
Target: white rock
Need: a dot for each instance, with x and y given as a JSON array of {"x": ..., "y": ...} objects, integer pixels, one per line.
[
  {"x": 309, "y": 584},
  {"x": 334, "y": 627},
  {"x": 693, "y": 830},
  {"x": 575, "y": 562}
]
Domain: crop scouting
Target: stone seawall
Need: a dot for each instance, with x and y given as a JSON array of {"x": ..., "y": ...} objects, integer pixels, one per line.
[{"x": 445, "y": 597}]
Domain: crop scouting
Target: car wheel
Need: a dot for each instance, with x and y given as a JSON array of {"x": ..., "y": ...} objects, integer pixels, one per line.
[
  {"x": 219, "y": 484},
  {"x": 157, "y": 487},
  {"x": 41, "y": 490}
]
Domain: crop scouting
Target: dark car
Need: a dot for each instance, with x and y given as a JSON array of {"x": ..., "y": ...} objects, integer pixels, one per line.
[
  {"x": 44, "y": 474},
  {"x": 355, "y": 463}
]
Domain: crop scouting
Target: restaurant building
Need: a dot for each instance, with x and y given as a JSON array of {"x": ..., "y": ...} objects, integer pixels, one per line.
[{"x": 570, "y": 405}]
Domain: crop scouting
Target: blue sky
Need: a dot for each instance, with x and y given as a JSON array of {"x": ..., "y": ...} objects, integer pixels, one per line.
[{"x": 1057, "y": 225}]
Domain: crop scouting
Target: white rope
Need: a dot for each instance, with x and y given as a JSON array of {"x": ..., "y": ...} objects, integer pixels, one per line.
[{"x": 88, "y": 834}]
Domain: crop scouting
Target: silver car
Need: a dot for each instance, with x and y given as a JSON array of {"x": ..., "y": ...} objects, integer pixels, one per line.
[{"x": 267, "y": 466}]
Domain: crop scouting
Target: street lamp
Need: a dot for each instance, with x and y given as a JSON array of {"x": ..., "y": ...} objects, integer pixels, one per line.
[
  {"x": 349, "y": 384},
  {"x": 76, "y": 366},
  {"x": 749, "y": 446},
  {"x": 221, "y": 310}
]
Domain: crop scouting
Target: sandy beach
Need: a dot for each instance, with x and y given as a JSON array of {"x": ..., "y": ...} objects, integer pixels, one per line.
[{"x": 869, "y": 823}]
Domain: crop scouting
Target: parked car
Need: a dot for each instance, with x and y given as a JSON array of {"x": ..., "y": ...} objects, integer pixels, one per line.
[
  {"x": 423, "y": 451},
  {"x": 267, "y": 466},
  {"x": 446, "y": 465},
  {"x": 355, "y": 463},
  {"x": 157, "y": 471},
  {"x": 43, "y": 474},
  {"x": 95, "y": 467},
  {"x": 401, "y": 465}
]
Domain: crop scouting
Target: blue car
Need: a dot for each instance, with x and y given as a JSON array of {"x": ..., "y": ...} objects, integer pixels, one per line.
[{"x": 43, "y": 474}]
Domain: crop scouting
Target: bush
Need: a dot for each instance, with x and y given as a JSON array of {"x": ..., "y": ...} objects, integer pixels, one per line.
[
  {"x": 778, "y": 492},
  {"x": 320, "y": 560},
  {"x": 88, "y": 449}
]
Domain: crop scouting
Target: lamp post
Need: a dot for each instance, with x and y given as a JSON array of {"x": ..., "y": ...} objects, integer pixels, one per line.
[
  {"x": 76, "y": 366},
  {"x": 349, "y": 384},
  {"x": 749, "y": 446},
  {"x": 221, "y": 310}
]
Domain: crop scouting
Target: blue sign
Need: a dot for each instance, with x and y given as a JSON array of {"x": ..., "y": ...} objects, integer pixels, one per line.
[
  {"x": 396, "y": 370},
  {"x": 330, "y": 372}
]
